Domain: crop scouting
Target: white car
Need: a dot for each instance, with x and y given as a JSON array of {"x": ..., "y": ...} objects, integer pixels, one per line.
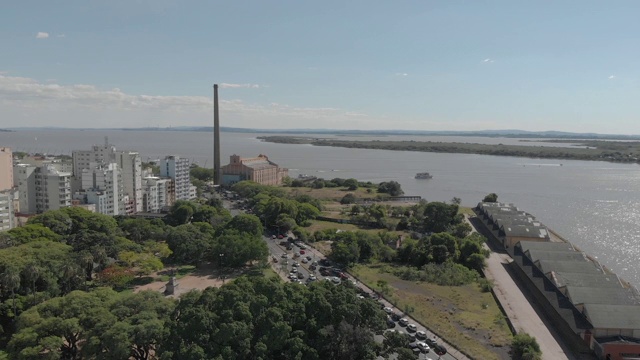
[
  {"x": 421, "y": 335},
  {"x": 423, "y": 347},
  {"x": 387, "y": 309},
  {"x": 412, "y": 327},
  {"x": 404, "y": 321}
]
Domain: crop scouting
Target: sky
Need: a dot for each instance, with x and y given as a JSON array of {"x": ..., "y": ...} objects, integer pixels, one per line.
[{"x": 283, "y": 64}]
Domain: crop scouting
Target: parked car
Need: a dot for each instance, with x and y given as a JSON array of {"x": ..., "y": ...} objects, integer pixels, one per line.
[
  {"x": 421, "y": 335},
  {"x": 390, "y": 323},
  {"x": 309, "y": 257},
  {"x": 280, "y": 236},
  {"x": 423, "y": 347},
  {"x": 289, "y": 247},
  {"x": 295, "y": 265},
  {"x": 294, "y": 270},
  {"x": 300, "y": 275},
  {"x": 301, "y": 252},
  {"x": 302, "y": 246},
  {"x": 273, "y": 237},
  {"x": 411, "y": 336},
  {"x": 412, "y": 327},
  {"x": 284, "y": 256},
  {"x": 394, "y": 316},
  {"x": 313, "y": 267},
  {"x": 404, "y": 322},
  {"x": 304, "y": 261},
  {"x": 387, "y": 309},
  {"x": 275, "y": 259},
  {"x": 312, "y": 278},
  {"x": 439, "y": 349}
]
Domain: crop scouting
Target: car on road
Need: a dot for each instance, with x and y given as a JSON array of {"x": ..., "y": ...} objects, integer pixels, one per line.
[
  {"x": 412, "y": 327},
  {"x": 403, "y": 322},
  {"x": 390, "y": 323},
  {"x": 440, "y": 350},
  {"x": 421, "y": 335},
  {"x": 423, "y": 347}
]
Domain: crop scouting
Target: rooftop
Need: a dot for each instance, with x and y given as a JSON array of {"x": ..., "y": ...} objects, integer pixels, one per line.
[
  {"x": 568, "y": 278},
  {"x": 602, "y": 295},
  {"x": 569, "y": 255},
  {"x": 585, "y": 267},
  {"x": 545, "y": 246},
  {"x": 613, "y": 316},
  {"x": 526, "y": 231}
]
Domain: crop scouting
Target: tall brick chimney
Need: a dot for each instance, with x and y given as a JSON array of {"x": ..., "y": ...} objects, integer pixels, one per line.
[{"x": 217, "y": 180}]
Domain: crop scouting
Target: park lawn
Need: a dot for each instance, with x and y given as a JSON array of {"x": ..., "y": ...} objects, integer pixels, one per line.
[{"x": 463, "y": 315}]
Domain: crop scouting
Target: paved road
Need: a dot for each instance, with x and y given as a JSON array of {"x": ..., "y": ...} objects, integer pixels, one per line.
[{"x": 277, "y": 250}]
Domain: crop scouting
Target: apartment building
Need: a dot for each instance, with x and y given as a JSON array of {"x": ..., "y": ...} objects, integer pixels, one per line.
[
  {"x": 7, "y": 216},
  {"x": 6, "y": 168},
  {"x": 177, "y": 169},
  {"x": 129, "y": 165},
  {"x": 158, "y": 194},
  {"x": 42, "y": 188},
  {"x": 102, "y": 185}
]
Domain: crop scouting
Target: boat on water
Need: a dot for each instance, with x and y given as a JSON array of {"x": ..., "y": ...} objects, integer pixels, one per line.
[{"x": 424, "y": 175}]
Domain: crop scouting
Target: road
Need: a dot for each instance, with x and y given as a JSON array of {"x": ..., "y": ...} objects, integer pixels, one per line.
[{"x": 277, "y": 250}]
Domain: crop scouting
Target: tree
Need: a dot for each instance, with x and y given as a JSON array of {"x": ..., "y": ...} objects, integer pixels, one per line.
[
  {"x": 59, "y": 327},
  {"x": 493, "y": 197},
  {"x": 189, "y": 243},
  {"x": 525, "y": 347},
  {"x": 348, "y": 199},
  {"x": 351, "y": 184},
  {"x": 392, "y": 188},
  {"x": 246, "y": 223},
  {"x": 10, "y": 280},
  {"x": 439, "y": 216}
]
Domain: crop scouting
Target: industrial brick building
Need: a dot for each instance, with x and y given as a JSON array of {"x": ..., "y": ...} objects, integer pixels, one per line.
[{"x": 259, "y": 169}]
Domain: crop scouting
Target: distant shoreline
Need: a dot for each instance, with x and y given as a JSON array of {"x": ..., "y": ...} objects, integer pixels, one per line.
[
  {"x": 484, "y": 133},
  {"x": 598, "y": 150}
]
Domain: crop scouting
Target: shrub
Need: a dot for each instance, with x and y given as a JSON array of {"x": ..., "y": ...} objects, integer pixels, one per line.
[{"x": 525, "y": 347}]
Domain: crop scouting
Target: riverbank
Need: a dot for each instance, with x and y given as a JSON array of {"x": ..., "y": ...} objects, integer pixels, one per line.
[{"x": 619, "y": 151}]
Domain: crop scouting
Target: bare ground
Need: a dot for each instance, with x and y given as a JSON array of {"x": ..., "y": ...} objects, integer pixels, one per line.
[{"x": 202, "y": 278}]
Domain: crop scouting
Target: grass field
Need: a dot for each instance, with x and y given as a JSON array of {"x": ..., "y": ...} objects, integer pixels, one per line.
[
  {"x": 463, "y": 315},
  {"x": 334, "y": 194}
]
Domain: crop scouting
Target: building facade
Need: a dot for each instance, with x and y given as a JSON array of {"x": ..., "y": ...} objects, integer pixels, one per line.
[
  {"x": 129, "y": 166},
  {"x": 6, "y": 168},
  {"x": 103, "y": 183},
  {"x": 158, "y": 194},
  {"x": 42, "y": 188},
  {"x": 177, "y": 169},
  {"x": 7, "y": 212},
  {"x": 259, "y": 169}
]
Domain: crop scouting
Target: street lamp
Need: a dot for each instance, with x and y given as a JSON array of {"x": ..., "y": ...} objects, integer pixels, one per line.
[{"x": 221, "y": 256}]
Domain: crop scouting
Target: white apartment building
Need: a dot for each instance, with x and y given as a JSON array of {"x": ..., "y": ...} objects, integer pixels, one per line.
[
  {"x": 177, "y": 169},
  {"x": 129, "y": 165},
  {"x": 6, "y": 168},
  {"x": 158, "y": 193},
  {"x": 102, "y": 186},
  {"x": 42, "y": 188},
  {"x": 7, "y": 215}
]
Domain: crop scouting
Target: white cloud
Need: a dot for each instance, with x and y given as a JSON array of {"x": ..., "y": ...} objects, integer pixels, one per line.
[
  {"x": 28, "y": 102},
  {"x": 42, "y": 35},
  {"x": 239, "y": 86},
  {"x": 61, "y": 35},
  {"x": 611, "y": 77},
  {"x": 487, "y": 60},
  {"x": 402, "y": 74}
]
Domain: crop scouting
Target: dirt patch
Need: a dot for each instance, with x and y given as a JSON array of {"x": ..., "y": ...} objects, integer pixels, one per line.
[{"x": 202, "y": 278}]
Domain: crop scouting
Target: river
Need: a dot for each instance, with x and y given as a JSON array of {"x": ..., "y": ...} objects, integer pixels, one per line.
[{"x": 595, "y": 205}]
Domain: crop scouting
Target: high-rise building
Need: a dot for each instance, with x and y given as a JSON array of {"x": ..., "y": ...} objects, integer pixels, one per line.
[
  {"x": 6, "y": 168},
  {"x": 103, "y": 183},
  {"x": 157, "y": 194},
  {"x": 129, "y": 165},
  {"x": 177, "y": 169},
  {"x": 7, "y": 216},
  {"x": 42, "y": 188}
]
